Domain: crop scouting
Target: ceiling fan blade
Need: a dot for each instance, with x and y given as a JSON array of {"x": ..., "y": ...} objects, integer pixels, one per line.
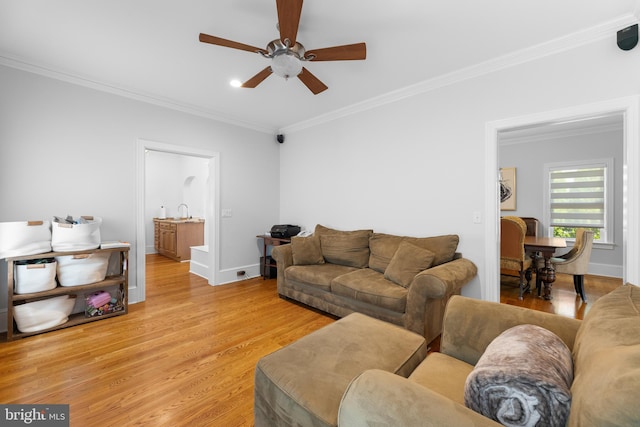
[
  {"x": 312, "y": 82},
  {"x": 257, "y": 79},
  {"x": 288, "y": 19},
  {"x": 339, "y": 53},
  {"x": 205, "y": 38}
]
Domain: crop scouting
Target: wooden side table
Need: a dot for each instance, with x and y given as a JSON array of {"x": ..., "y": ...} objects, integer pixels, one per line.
[{"x": 266, "y": 262}]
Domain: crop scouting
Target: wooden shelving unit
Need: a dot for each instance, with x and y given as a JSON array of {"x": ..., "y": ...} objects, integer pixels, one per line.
[
  {"x": 266, "y": 262},
  {"x": 121, "y": 280}
]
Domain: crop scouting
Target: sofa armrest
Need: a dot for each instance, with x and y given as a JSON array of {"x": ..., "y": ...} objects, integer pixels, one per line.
[
  {"x": 283, "y": 255},
  {"x": 470, "y": 325},
  {"x": 284, "y": 258},
  {"x": 380, "y": 398},
  {"x": 429, "y": 292},
  {"x": 444, "y": 279}
]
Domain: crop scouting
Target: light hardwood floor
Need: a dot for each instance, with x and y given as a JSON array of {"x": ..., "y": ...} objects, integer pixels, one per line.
[
  {"x": 565, "y": 301},
  {"x": 184, "y": 357}
]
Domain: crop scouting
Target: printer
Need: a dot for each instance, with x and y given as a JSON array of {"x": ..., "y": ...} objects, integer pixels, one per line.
[{"x": 284, "y": 231}]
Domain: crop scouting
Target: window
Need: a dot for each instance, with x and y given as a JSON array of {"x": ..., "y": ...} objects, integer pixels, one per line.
[{"x": 579, "y": 195}]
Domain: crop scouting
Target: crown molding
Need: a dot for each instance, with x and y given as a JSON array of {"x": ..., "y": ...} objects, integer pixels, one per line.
[
  {"x": 542, "y": 50},
  {"x": 548, "y": 133},
  {"x": 128, "y": 93},
  {"x": 561, "y": 44}
]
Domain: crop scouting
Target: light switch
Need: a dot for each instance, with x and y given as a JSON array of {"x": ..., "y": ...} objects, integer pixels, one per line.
[
  {"x": 477, "y": 217},
  {"x": 226, "y": 213}
]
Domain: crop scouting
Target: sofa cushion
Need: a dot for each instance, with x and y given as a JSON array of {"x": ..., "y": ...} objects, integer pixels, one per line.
[
  {"x": 606, "y": 389},
  {"x": 371, "y": 287},
  {"x": 319, "y": 275},
  {"x": 444, "y": 247},
  {"x": 306, "y": 250},
  {"x": 408, "y": 261},
  {"x": 443, "y": 374},
  {"x": 321, "y": 230},
  {"x": 523, "y": 378},
  {"x": 384, "y": 246},
  {"x": 350, "y": 248}
]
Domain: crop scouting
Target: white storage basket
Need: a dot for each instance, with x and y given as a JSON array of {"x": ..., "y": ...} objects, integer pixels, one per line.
[
  {"x": 36, "y": 277},
  {"x": 76, "y": 270},
  {"x": 24, "y": 238},
  {"x": 47, "y": 313},
  {"x": 76, "y": 237}
]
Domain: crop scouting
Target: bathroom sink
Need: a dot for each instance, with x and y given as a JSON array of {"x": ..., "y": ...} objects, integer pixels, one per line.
[
  {"x": 183, "y": 219},
  {"x": 193, "y": 220}
]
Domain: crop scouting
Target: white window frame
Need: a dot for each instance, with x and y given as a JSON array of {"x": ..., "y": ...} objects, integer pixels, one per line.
[{"x": 607, "y": 233}]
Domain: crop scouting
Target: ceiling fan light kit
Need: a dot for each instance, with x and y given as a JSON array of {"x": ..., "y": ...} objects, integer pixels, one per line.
[
  {"x": 287, "y": 55},
  {"x": 286, "y": 65},
  {"x": 285, "y": 61}
]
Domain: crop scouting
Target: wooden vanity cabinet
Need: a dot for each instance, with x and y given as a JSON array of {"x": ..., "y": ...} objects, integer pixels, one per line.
[{"x": 174, "y": 238}]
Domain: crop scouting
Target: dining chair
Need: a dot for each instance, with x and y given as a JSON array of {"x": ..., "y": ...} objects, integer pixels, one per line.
[
  {"x": 532, "y": 225},
  {"x": 576, "y": 261},
  {"x": 512, "y": 256}
]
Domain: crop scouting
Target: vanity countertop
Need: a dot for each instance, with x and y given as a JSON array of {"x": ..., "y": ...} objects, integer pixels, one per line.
[{"x": 179, "y": 220}]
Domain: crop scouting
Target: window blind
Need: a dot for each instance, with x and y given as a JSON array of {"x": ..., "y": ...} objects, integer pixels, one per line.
[{"x": 577, "y": 197}]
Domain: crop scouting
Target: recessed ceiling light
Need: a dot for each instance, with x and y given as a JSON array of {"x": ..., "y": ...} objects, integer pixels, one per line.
[{"x": 235, "y": 83}]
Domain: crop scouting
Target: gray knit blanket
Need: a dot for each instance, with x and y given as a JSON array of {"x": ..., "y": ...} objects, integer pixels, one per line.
[{"x": 523, "y": 379}]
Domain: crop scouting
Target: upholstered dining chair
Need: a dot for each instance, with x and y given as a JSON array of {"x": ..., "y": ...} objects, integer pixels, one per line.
[
  {"x": 512, "y": 256},
  {"x": 576, "y": 261}
]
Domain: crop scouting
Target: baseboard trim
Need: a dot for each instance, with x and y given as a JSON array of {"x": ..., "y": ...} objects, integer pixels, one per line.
[
  {"x": 3, "y": 320},
  {"x": 607, "y": 270}
]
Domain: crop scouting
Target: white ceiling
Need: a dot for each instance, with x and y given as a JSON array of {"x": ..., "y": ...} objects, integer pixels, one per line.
[{"x": 149, "y": 49}]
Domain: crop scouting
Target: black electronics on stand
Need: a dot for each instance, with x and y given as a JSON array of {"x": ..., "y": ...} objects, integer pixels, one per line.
[{"x": 284, "y": 231}]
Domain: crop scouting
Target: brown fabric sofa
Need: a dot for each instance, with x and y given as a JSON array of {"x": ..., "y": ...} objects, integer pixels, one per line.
[
  {"x": 399, "y": 279},
  {"x": 605, "y": 350}
]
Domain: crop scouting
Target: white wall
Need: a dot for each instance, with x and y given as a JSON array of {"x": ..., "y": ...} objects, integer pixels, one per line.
[
  {"x": 417, "y": 166},
  {"x": 529, "y": 159},
  {"x": 67, "y": 149}
]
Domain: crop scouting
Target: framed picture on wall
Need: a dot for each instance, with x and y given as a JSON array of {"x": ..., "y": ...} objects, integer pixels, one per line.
[{"x": 507, "y": 189}]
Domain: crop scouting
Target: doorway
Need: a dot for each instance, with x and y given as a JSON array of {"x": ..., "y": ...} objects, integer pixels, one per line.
[
  {"x": 629, "y": 109},
  {"x": 208, "y": 208}
]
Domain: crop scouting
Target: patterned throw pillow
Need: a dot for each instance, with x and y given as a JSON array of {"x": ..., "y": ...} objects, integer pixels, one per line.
[{"x": 523, "y": 379}]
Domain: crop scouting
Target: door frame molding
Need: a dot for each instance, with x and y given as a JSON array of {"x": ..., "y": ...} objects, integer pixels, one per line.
[
  {"x": 629, "y": 107},
  {"x": 213, "y": 188}
]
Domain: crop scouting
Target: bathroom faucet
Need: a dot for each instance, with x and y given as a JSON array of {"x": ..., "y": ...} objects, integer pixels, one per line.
[{"x": 185, "y": 205}]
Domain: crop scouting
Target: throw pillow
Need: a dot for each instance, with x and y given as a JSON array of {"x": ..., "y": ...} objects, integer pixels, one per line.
[
  {"x": 408, "y": 261},
  {"x": 306, "y": 250},
  {"x": 523, "y": 379}
]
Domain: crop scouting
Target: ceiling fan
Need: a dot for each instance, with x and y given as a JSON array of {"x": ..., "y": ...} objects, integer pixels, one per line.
[{"x": 287, "y": 55}]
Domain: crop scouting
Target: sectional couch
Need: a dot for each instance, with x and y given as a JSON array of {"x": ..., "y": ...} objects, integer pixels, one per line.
[{"x": 599, "y": 386}]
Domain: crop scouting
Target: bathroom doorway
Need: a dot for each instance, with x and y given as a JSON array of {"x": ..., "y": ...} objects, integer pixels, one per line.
[
  {"x": 193, "y": 178},
  {"x": 175, "y": 187}
]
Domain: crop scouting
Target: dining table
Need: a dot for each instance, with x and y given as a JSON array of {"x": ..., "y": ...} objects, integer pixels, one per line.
[{"x": 547, "y": 247}]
